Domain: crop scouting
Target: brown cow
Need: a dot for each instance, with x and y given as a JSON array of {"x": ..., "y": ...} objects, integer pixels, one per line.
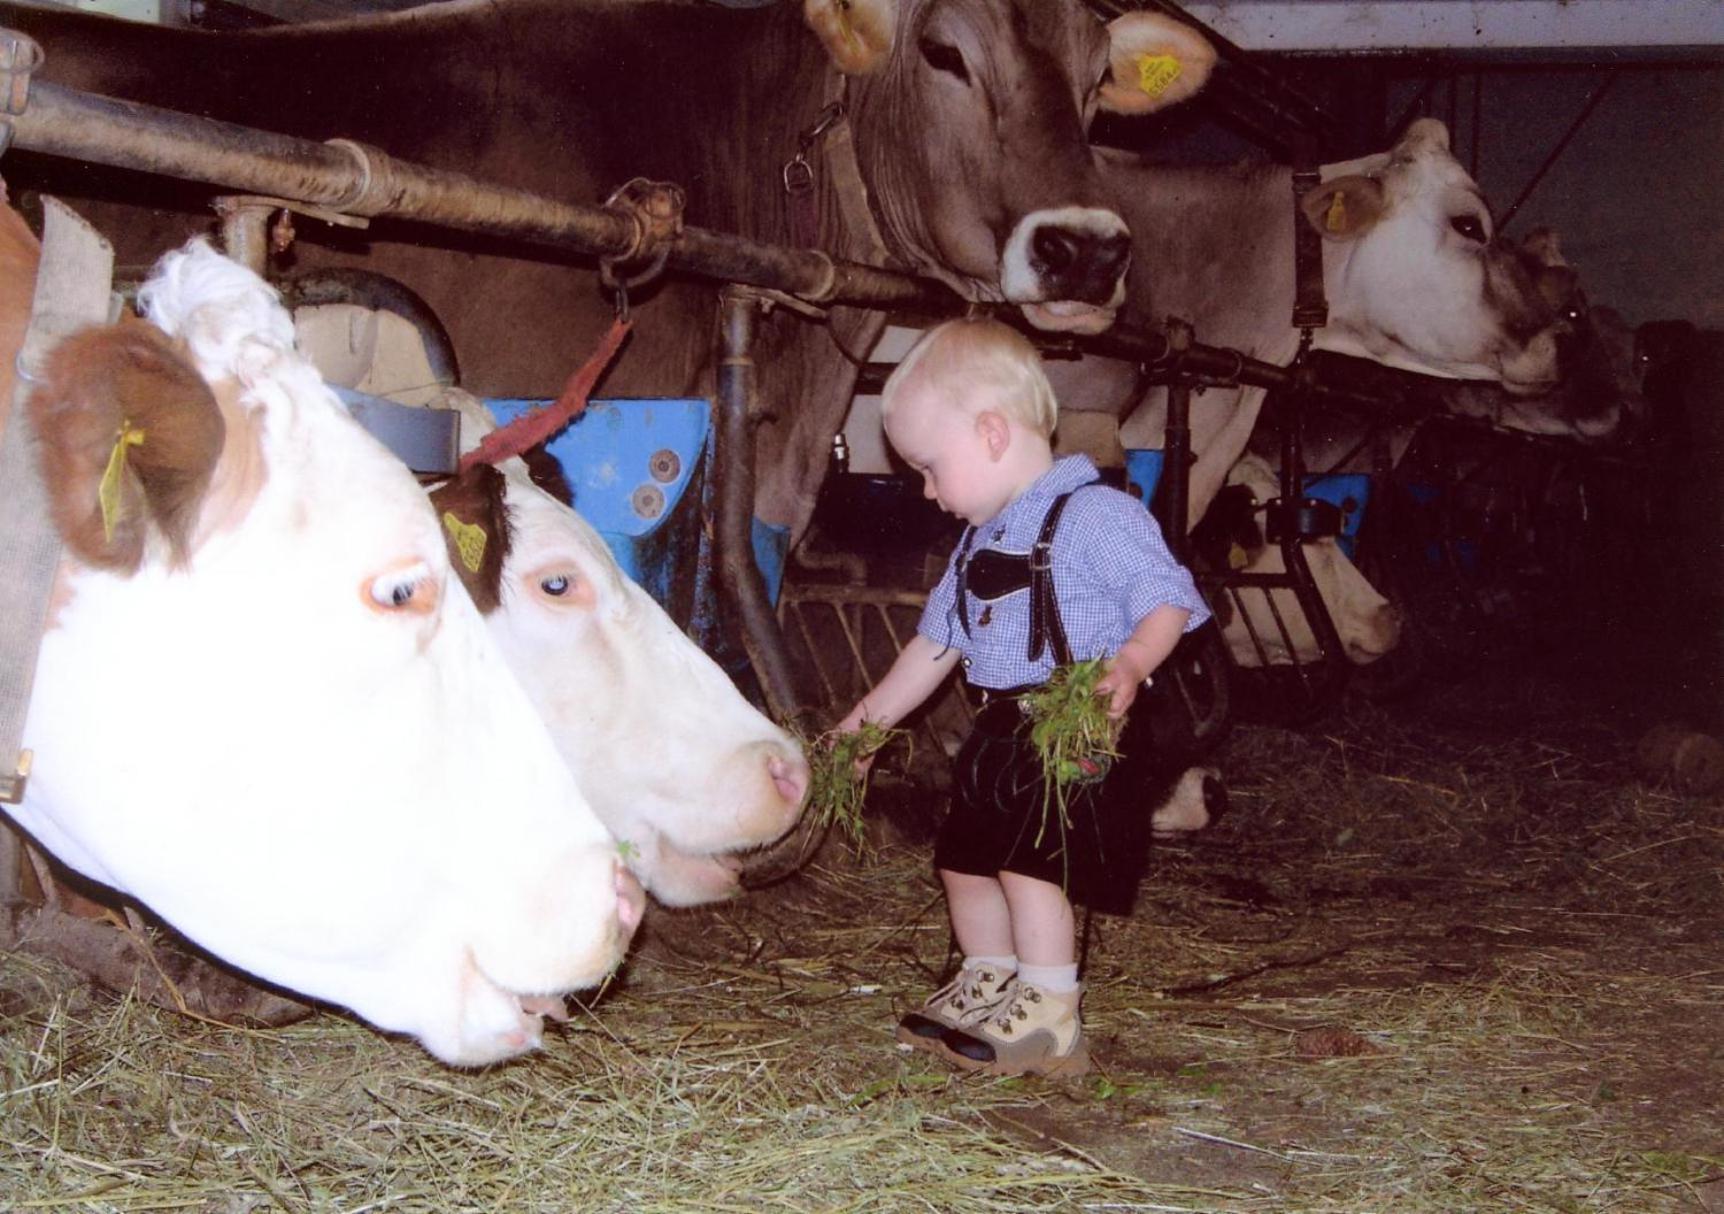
[{"x": 967, "y": 116}]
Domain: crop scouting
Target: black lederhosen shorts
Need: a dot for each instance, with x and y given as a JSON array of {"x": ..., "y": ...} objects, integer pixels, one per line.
[{"x": 1001, "y": 821}]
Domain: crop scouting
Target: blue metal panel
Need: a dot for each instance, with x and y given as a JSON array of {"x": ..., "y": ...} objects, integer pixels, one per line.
[
  {"x": 630, "y": 463},
  {"x": 1143, "y": 469}
]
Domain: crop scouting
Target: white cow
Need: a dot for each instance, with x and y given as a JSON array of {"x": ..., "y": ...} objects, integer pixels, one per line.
[
  {"x": 265, "y": 709},
  {"x": 1368, "y": 624},
  {"x": 683, "y": 770}
]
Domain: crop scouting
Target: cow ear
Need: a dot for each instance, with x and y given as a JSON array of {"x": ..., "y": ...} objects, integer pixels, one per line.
[
  {"x": 1155, "y": 61},
  {"x": 475, "y": 517},
  {"x": 1345, "y": 207},
  {"x": 130, "y": 436},
  {"x": 856, "y": 33}
]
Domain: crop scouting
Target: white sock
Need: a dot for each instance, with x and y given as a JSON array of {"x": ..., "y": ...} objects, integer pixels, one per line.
[
  {"x": 1054, "y": 979},
  {"x": 1005, "y": 965}
]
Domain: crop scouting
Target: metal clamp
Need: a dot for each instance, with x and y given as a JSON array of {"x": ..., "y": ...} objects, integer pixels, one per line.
[
  {"x": 798, "y": 174},
  {"x": 655, "y": 208}
]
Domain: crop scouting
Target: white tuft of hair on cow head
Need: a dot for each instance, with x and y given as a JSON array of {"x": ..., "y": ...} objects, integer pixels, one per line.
[
  {"x": 1156, "y": 61},
  {"x": 362, "y": 803},
  {"x": 677, "y": 764},
  {"x": 856, "y": 33}
]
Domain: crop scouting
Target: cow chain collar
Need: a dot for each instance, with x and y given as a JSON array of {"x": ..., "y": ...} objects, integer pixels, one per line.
[
  {"x": 831, "y": 131},
  {"x": 1310, "y": 306}
]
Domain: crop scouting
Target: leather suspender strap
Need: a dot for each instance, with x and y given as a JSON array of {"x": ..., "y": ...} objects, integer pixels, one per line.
[
  {"x": 1045, "y": 625},
  {"x": 1046, "y": 628},
  {"x": 964, "y": 577}
]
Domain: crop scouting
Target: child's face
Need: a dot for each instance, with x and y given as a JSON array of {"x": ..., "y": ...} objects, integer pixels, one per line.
[{"x": 950, "y": 448}]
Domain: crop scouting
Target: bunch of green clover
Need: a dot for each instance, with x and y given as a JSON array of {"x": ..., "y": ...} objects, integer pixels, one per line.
[
  {"x": 1071, "y": 732},
  {"x": 838, "y": 784}
]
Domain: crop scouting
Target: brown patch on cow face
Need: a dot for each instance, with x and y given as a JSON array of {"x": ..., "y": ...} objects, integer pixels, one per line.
[
  {"x": 474, "y": 514},
  {"x": 545, "y": 472},
  {"x": 121, "y": 405}
]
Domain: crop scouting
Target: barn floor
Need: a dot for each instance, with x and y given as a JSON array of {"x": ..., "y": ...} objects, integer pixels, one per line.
[{"x": 1445, "y": 955}]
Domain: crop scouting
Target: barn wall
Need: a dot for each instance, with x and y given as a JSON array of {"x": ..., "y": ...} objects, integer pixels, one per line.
[{"x": 1638, "y": 195}]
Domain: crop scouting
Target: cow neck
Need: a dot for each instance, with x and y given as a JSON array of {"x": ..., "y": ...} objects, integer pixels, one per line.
[{"x": 845, "y": 172}]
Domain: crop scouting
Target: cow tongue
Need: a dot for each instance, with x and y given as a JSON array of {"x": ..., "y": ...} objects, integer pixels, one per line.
[{"x": 1068, "y": 316}]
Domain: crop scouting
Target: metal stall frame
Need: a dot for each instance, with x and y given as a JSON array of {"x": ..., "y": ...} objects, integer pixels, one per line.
[{"x": 346, "y": 179}]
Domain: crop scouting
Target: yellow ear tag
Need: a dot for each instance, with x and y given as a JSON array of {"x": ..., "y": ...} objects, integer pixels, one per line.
[
  {"x": 1156, "y": 72},
  {"x": 1335, "y": 218},
  {"x": 469, "y": 540},
  {"x": 1237, "y": 557},
  {"x": 108, "y": 492}
]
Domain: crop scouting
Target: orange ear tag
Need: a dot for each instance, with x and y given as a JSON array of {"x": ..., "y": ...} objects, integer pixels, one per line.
[
  {"x": 108, "y": 492},
  {"x": 1335, "y": 218},
  {"x": 469, "y": 540},
  {"x": 1237, "y": 557},
  {"x": 1156, "y": 72}
]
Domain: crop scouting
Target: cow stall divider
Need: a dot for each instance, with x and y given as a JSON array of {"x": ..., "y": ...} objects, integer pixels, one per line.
[{"x": 347, "y": 182}]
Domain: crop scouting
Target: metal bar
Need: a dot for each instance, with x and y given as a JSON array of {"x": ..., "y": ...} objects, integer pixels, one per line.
[
  {"x": 350, "y": 178},
  {"x": 1556, "y": 152},
  {"x": 733, "y": 464}
]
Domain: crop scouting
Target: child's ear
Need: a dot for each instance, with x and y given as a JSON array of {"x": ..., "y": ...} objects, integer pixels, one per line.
[{"x": 994, "y": 431}]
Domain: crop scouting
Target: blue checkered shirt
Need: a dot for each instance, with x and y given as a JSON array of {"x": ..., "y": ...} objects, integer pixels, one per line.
[{"x": 1111, "y": 568}]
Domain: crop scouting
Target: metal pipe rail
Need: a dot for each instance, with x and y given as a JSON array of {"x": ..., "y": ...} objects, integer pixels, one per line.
[
  {"x": 351, "y": 178},
  {"x": 354, "y": 179}
]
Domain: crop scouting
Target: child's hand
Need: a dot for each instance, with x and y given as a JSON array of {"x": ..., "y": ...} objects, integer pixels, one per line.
[
  {"x": 850, "y": 724},
  {"x": 1123, "y": 680}
]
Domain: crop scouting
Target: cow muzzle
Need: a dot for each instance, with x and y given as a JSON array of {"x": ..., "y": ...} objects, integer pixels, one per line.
[{"x": 1066, "y": 268}]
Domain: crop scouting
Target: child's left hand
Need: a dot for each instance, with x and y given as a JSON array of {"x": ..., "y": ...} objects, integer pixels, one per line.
[{"x": 1123, "y": 680}]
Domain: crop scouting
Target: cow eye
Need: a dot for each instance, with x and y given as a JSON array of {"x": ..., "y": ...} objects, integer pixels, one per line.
[
  {"x": 1573, "y": 314},
  {"x": 944, "y": 58},
  {"x": 1470, "y": 227},
  {"x": 409, "y": 590},
  {"x": 556, "y": 586}
]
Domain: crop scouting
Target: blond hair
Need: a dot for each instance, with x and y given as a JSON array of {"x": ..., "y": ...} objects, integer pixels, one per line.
[{"x": 976, "y": 364}]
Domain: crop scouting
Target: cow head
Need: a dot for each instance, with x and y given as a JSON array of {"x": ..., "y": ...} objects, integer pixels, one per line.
[
  {"x": 1598, "y": 401},
  {"x": 265, "y": 709},
  {"x": 683, "y": 770},
  {"x": 1418, "y": 279},
  {"x": 1231, "y": 535},
  {"x": 995, "y": 96}
]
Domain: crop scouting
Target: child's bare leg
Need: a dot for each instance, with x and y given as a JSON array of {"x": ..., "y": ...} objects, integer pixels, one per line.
[
  {"x": 981, "y": 918},
  {"x": 1037, "y": 1026},
  {"x": 1043, "y": 928}
]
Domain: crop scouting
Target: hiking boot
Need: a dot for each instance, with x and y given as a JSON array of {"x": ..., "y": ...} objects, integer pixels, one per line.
[
  {"x": 1030, "y": 1032},
  {"x": 962, "y": 1001}
]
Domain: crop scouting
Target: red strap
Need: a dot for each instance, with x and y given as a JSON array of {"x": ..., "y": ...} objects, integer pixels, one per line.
[{"x": 531, "y": 429}]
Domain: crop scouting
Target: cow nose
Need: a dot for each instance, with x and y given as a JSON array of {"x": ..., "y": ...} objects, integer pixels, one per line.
[
  {"x": 789, "y": 776},
  {"x": 1076, "y": 263}
]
